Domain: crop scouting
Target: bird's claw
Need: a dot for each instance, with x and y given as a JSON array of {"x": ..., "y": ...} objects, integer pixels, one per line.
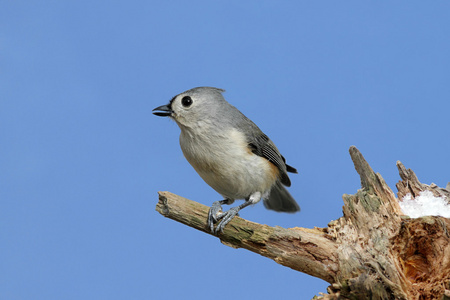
[
  {"x": 226, "y": 218},
  {"x": 215, "y": 214}
]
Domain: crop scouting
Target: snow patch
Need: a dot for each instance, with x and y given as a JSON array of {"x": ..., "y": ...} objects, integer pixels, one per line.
[{"x": 426, "y": 204}]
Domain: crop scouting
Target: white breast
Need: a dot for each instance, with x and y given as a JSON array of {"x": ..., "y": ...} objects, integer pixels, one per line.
[{"x": 225, "y": 162}]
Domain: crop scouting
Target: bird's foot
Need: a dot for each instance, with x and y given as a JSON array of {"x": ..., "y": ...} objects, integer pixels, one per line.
[
  {"x": 215, "y": 214},
  {"x": 226, "y": 218}
]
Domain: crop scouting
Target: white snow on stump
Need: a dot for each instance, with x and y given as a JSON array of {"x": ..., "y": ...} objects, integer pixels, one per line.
[{"x": 426, "y": 204}]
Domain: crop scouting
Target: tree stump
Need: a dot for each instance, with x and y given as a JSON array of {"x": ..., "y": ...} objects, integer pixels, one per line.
[{"x": 372, "y": 252}]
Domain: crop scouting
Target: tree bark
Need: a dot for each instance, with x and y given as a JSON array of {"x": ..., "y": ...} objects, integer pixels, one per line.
[{"x": 371, "y": 252}]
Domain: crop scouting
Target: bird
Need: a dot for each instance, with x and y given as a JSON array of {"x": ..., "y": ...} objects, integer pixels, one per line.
[{"x": 230, "y": 153}]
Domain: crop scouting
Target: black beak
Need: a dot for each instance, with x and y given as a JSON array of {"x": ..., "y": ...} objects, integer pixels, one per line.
[{"x": 164, "y": 111}]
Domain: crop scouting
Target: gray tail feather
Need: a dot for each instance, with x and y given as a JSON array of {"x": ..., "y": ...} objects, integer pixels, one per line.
[{"x": 280, "y": 200}]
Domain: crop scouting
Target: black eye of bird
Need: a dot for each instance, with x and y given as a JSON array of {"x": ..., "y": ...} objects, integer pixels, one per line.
[{"x": 186, "y": 101}]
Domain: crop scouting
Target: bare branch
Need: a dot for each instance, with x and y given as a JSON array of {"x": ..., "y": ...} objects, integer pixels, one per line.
[{"x": 306, "y": 250}]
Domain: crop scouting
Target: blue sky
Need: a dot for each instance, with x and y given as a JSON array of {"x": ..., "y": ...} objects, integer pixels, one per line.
[{"x": 82, "y": 157}]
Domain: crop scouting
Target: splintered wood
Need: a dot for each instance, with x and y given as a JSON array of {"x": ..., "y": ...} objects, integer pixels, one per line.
[{"x": 371, "y": 252}]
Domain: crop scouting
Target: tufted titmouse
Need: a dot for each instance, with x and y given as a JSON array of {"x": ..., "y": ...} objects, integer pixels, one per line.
[{"x": 230, "y": 153}]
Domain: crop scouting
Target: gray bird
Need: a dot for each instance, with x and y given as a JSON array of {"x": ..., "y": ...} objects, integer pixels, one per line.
[{"x": 230, "y": 153}]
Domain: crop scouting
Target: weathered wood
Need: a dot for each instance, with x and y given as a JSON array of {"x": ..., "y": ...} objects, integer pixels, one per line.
[
  {"x": 371, "y": 252},
  {"x": 422, "y": 250},
  {"x": 410, "y": 184},
  {"x": 306, "y": 250},
  {"x": 368, "y": 270}
]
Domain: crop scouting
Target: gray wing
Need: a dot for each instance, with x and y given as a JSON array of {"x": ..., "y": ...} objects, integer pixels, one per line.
[{"x": 261, "y": 145}]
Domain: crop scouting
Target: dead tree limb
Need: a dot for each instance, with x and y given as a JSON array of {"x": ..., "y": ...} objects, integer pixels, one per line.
[
  {"x": 305, "y": 250},
  {"x": 371, "y": 252}
]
